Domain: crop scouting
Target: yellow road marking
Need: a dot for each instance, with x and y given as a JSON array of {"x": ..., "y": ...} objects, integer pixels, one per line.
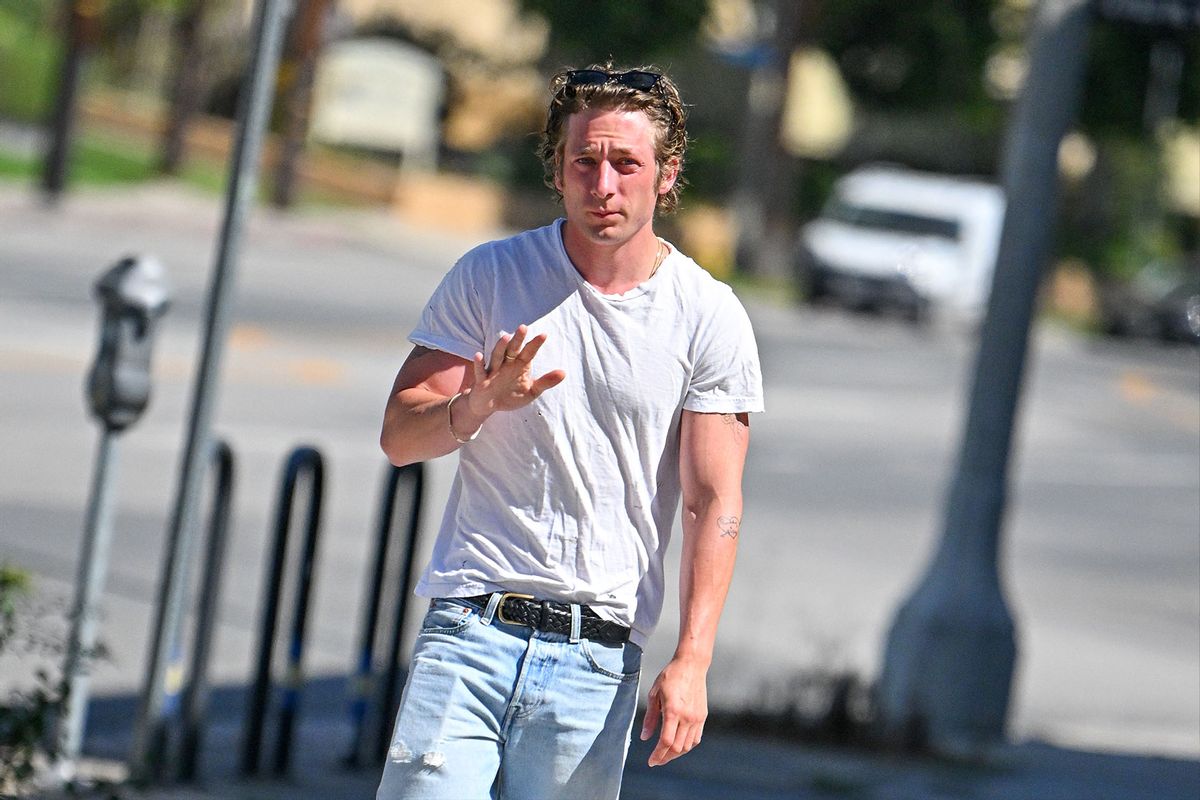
[
  {"x": 319, "y": 371},
  {"x": 1136, "y": 388}
]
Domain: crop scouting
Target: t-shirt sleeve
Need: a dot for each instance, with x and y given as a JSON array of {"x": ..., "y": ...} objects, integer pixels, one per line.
[
  {"x": 727, "y": 378},
  {"x": 453, "y": 319}
]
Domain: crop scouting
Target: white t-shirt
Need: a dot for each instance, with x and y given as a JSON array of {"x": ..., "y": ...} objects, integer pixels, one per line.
[{"x": 573, "y": 497}]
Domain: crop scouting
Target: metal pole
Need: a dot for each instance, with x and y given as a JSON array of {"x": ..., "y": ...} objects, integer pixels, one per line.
[
  {"x": 93, "y": 569},
  {"x": 952, "y": 648},
  {"x": 195, "y": 697},
  {"x": 362, "y": 683},
  {"x": 391, "y": 682},
  {"x": 289, "y": 702},
  {"x": 253, "y": 114}
]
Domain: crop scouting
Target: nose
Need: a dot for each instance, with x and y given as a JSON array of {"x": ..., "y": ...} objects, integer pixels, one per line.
[{"x": 605, "y": 185}]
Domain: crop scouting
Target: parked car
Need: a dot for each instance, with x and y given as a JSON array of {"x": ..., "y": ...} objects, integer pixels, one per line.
[
  {"x": 1162, "y": 301},
  {"x": 892, "y": 238}
]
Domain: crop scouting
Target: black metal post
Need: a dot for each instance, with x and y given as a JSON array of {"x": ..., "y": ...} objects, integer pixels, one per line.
[
  {"x": 294, "y": 677},
  {"x": 361, "y": 683},
  {"x": 195, "y": 697},
  {"x": 301, "y": 459},
  {"x": 391, "y": 682}
]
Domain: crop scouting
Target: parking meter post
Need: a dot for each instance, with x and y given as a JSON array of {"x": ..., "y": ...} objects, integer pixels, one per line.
[
  {"x": 253, "y": 114},
  {"x": 93, "y": 568},
  {"x": 132, "y": 295}
]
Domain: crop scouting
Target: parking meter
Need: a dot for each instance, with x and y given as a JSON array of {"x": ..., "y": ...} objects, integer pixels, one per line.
[{"x": 133, "y": 296}]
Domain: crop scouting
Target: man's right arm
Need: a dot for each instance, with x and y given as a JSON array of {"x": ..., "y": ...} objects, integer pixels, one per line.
[
  {"x": 415, "y": 422},
  {"x": 418, "y": 424}
]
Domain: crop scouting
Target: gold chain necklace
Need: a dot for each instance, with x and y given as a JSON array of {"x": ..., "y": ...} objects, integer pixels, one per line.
[{"x": 659, "y": 258}]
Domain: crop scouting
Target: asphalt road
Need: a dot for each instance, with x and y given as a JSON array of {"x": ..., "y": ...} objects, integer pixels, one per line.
[{"x": 845, "y": 483}]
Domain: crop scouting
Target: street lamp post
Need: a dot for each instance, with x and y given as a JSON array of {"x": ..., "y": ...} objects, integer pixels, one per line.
[{"x": 952, "y": 648}]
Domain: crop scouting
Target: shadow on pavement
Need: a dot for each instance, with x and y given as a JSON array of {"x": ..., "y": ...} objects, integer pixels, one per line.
[{"x": 728, "y": 765}]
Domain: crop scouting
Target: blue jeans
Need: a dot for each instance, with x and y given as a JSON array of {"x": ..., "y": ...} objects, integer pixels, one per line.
[{"x": 504, "y": 712}]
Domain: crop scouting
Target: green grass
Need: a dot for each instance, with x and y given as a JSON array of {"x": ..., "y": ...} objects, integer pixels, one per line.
[
  {"x": 16, "y": 167},
  {"x": 29, "y": 55},
  {"x": 95, "y": 161},
  {"x": 105, "y": 160}
]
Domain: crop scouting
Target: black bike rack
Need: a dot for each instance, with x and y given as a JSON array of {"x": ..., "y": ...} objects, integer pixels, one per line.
[
  {"x": 309, "y": 461},
  {"x": 195, "y": 697},
  {"x": 365, "y": 683}
]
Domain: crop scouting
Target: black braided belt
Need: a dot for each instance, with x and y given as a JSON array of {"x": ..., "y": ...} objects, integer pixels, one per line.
[{"x": 551, "y": 617}]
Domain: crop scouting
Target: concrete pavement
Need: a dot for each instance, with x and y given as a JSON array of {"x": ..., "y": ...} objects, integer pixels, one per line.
[{"x": 860, "y": 425}]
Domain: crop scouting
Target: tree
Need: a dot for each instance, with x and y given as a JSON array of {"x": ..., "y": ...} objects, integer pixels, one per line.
[{"x": 627, "y": 31}]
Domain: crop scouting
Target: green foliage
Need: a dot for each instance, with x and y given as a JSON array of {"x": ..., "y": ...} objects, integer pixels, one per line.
[
  {"x": 1114, "y": 220},
  {"x": 628, "y": 31},
  {"x": 29, "y": 55},
  {"x": 26, "y": 715},
  {"x": 14, "y": 587},
  {"x": 916, "y": 55},
  {"x": 1118, "y": 74}
]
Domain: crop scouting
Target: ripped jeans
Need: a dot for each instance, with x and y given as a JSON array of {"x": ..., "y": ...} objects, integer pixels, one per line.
[{"x": 493, "y": 711}]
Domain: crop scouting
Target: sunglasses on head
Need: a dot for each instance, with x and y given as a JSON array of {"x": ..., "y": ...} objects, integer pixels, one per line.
[{"x": 634, "y": 78}]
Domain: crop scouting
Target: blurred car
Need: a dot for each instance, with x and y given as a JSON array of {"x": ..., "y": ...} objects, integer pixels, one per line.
[
  {"x": 1162, "y": 301},
  {"x": 892, "y": 238}
]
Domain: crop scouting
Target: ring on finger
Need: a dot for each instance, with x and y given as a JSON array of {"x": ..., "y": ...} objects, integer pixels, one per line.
[{"x": 509, "y": 357}]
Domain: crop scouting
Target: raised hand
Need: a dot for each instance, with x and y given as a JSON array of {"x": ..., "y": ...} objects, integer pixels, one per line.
[{"x": 506, "y": 381}]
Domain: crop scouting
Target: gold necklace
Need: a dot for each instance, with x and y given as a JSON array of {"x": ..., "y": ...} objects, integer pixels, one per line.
[{"x": 659, "y": 258}]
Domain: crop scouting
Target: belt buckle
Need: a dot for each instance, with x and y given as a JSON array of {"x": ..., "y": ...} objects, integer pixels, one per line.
[{"x": 500, "y": 607}]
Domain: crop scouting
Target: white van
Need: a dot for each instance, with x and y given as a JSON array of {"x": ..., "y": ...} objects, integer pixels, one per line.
[{"x": 914, "y": 241}]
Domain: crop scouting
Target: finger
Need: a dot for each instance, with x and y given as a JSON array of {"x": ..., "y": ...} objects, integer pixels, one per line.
[
  {"x": 666, "y": 741},
  {"x": 531, "y": 348},
  {"x": 547, "y": 381},
  {"x": 694, "y": 737},
  {"x": 499, "y": 350},
  {"x": 478, "y": 370},
  {"x": 653, "y": 712},
  {"x": 514, "y": 344}
]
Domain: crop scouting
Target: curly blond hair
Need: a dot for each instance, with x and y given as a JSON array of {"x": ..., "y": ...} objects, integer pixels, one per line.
[{"x": 660, "y": 103}]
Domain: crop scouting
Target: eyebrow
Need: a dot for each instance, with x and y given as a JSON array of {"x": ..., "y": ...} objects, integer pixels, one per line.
[{"x": 588, "y": 149}]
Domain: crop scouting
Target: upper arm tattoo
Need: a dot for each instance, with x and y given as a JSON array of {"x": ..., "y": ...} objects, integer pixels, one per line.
[{"x": 737, "y": 423}]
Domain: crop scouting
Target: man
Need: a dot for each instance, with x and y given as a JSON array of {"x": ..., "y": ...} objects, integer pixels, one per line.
[{"x": 618, "y": 377}]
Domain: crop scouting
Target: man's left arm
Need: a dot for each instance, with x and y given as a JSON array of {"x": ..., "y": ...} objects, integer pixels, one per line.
[{"x": 712, "y": 453}]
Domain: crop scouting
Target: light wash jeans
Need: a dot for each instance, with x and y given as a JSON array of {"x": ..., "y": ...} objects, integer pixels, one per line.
[{"x": 504, "y": 712}]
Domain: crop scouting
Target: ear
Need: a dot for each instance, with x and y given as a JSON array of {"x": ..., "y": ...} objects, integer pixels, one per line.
[
  {"x": 670, "y": 172},
  {"x": 558, "y": 182}
]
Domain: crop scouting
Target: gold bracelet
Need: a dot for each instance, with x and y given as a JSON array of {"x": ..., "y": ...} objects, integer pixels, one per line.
[{"x": 450, "y": 422}]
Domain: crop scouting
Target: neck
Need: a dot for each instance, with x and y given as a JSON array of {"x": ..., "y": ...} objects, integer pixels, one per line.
[{"x": 613, "y": 268}]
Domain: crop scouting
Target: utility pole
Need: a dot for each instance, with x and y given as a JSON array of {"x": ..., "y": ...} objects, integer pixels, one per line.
[{"x": 952, "y": 648}]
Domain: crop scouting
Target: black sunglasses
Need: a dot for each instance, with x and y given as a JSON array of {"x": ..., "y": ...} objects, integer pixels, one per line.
[{"x": 634, "y": 78}]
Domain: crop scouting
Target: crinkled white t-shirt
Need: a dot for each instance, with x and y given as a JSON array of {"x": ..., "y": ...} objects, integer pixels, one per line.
[{"x": 573, "y": 497}]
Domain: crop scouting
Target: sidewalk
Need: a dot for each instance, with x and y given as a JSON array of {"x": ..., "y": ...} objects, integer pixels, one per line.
[{"x": 727, "y": 766}]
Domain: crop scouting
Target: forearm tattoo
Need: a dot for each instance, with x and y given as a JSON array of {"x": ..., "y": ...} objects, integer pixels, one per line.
[{"x": 730, "y": 526}]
